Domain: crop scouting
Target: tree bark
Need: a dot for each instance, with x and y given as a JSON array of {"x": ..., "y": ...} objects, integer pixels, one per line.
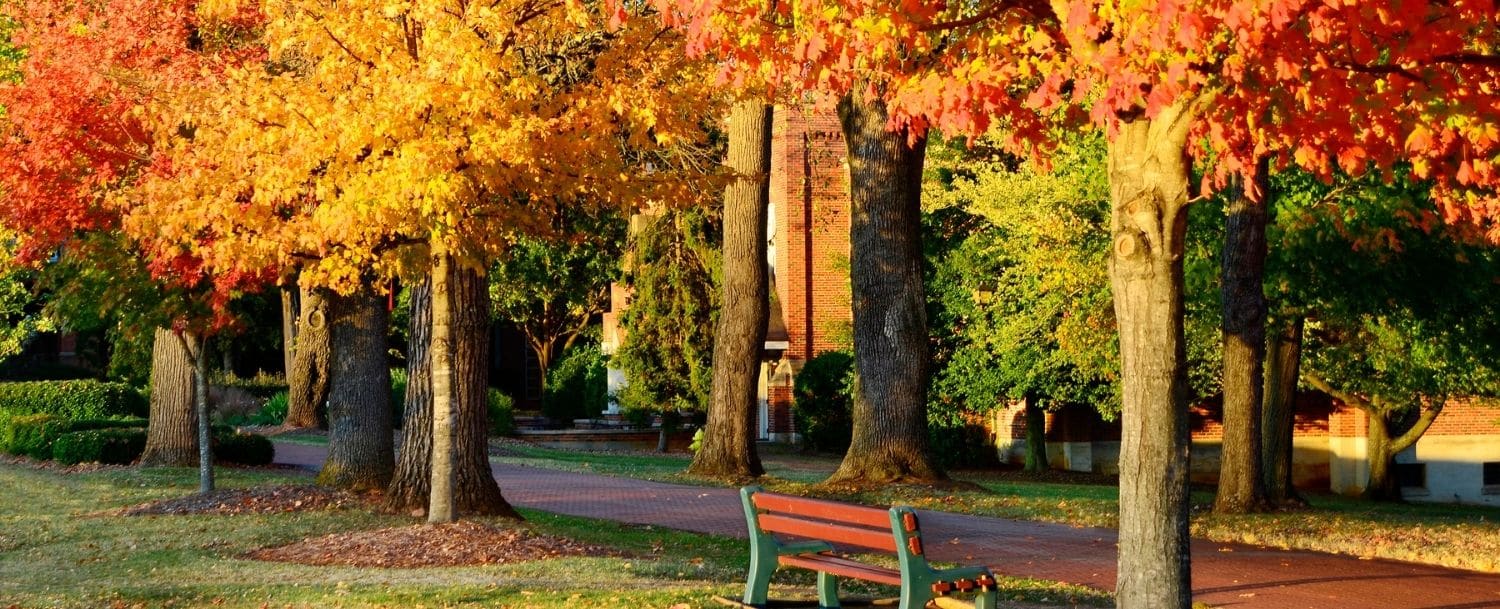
[
  {"x": 475, "y": 491},
  {"x": 1148, "y": 175},
  {"x": 199, "y": 355},
  {"x": 289, "y": 310},
  {"x": 440, "y": 504},
  {"x": 1283, "y": 361},
  {"x": 890, "y": 318},
  {"x": 728, "y": 447},
  {"x": 1241, "y": 485},
  {"x": 1036, "y": 436},
  {"x": 361, "y": 455},
  {"x": 171, "y": 430},
  {"x": 1380, "y": 448},
  {"x": 308, "y": 379}
]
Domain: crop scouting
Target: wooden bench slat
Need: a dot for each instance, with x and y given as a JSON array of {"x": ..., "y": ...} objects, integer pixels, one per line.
[
  {"x": 844, "y": 567},
  {"x": 835, "y": 533},
  {"x": 826, "y": 510}
]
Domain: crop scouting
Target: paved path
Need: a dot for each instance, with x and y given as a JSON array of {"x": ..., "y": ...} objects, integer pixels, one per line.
[{"x": 1225, "y": 575}]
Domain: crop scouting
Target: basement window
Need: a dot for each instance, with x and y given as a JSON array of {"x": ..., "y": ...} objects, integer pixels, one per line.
[
  {"x": 1492, "y": 478},
  {"x": 1411, "y": 475}
]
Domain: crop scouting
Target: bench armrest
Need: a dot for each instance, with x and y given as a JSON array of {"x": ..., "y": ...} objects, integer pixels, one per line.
[{"x": 803, "y": 547}]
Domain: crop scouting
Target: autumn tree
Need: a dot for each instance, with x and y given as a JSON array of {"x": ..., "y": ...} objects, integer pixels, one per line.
[
  {"x": 480, "y": 123},
  {"x": 1309, "y": 83}
]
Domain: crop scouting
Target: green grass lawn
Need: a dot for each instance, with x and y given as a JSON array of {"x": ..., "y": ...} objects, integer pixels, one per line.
[
  {"x": 58, "y": 548},
  {"x": 1442, "y": 534}
]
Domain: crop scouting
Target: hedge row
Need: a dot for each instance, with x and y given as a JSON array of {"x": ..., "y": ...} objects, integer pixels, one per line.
[
  {"x": 44, "y": 436},
  {"x": 75, "y": 400}
]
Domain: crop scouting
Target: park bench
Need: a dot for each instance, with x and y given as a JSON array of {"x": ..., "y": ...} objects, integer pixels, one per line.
[{"x": 787, "y": 531}]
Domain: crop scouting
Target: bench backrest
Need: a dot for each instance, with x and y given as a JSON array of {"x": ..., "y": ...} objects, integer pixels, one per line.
[{"x": 894, "y": 530}]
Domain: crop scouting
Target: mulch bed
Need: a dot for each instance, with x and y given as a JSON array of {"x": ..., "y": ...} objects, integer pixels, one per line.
[
  {"x": 427, "y": 545},
  {"x": 258, "y": 500},
  {"x": 53, "y": 466}
]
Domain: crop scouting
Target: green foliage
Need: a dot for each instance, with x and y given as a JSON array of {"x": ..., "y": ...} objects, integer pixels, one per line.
[
  {"x": 30, "y": 435},
  {"x": 399, "y": 382},
  {"x": 1019, "y": 285},
  {"x": 20, "y": 315},
  {"x": 822, "y": 401},
  {"x": 262, "y": 385},
  {"x": 72, "y": 399},
  {"x": 273, "y": 412},
  {"x": 110, "y": 446},
  {"x": 638, "y": 418},
  {"x": 244, "y": 449},
  {"x": 578, "y": 386},
  {"x": 502, "y": 411},
  {"x": 1400, "y": 310},
  {"x": 667, "y": 352},
  {"x": 552, "y": 286}
]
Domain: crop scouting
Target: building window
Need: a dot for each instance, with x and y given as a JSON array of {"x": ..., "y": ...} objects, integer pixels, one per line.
[
  {"x": 1411, "y": 475},
  {"x": 1492, "y": 478}
]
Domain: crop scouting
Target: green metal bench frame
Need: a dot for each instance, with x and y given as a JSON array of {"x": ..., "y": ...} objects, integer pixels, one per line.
[{"x": 821, "y": 524}]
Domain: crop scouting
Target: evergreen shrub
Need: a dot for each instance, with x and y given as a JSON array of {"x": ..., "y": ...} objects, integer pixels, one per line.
[
  {"x": 244, "y": 449},
  {"x": 822, "y": 402},
  {"x": 577, "y": 386},
  {"x": 111, "y": 446},
  {"x": 72, "y": 399},
  {"x": 502, "y": 413}
]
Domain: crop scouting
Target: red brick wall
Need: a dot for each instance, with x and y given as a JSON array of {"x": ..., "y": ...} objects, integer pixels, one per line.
[{"x": 810, "y": 195}]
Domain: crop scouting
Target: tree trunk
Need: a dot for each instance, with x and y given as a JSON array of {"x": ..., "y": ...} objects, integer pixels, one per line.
[
  {"x": 1241, "y": 486},
  {"x": 1378, "y": 454},
  {"x": 890, "y": 316},
  {"x": 728, "y": 447},
  {"x": 440, "y": 499},
  {"x": 360, "y": 449},
  {"x": 1036, "y": 436},
  {"x": 1283, "y": 360},
  {"x": 308, "y": 378},
  {"x": 171, "y": 431},
  {"x": 1148, "y": 191},
  {"x": 288, "y": 330},
  {"x": 201, "y": 407},
  {"x": 475, "y": 491}
]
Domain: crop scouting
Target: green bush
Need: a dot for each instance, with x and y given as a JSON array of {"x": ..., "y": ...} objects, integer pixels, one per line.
[
  {"x": 502, "y": 412},
  {"x": 72, "y": 399},
  {"x": 262, "y": 385},
  {"x": 244, "y": 448},
  {"x": 577, "y": 386},
  {"x": 399, "y": 381},
  {"x": 639, "y": 418},
  {"x": 31, "y": 435},
  {"x": 114, "y": 446},
  {"x": 822, "y": 402},
  {"x": 273, "y": 412}
]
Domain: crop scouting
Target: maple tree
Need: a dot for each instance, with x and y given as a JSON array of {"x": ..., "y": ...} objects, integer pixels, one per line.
[
  {"x": 1321, "y": 85},
  {"x": 385, "y": 140}
]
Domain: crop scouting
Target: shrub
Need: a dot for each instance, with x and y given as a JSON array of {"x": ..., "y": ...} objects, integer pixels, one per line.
[
  {"x": 639, "y": 418},
  {"x": 822, "y": 402},
  {"x": 114, "y": 446},
  {"x": 273, "y": 412},
  {"x": 577, "y": 386},
  {"x": 72, "y": 399},
  {"x": 244, "y": 448},
  {"x": 262, "y": 385},
  {"x": 502, "y": 412},
  {"x": 399, "y": 381},
  {"x": 31, "y": 435}
]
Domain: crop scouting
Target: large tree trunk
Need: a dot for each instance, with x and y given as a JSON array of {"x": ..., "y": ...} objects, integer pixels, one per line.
[
  {"x": 289, "y": 308},
  {"x": 728, "y": 447},
  {"x": 360, "y": 449},
  {"x": 1283, "y": 360},
  {"x": 1036, "y": 436},
  {"x": 1148, "y": 191},
  {"x": 1379, "y": 456},
  {"x": 172, "y": 430},
  {"x": 308, "y": 378},
  {"x": 440, "y": 503},
  {"x": 890, "y": 317},
  {"x": 475, "y": 491},
  {"x": 1241, "y": 486}
]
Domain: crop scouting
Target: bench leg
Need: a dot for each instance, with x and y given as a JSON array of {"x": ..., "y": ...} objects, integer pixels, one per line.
[
  {"x": 828, "y": 591},
  {"x": 914, "y": 596},
  {"x": 758, "y": 585},
  {"x": 985, "y": 599}
]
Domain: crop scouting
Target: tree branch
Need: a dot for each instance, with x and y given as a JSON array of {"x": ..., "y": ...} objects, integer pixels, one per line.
[
  {"x": 1415, "y": 433},
  {"x": 1342, "y": 396}
]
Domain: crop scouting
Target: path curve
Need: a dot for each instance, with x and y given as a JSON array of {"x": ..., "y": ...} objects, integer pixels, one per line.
[{"x": 1224, "y": 575}]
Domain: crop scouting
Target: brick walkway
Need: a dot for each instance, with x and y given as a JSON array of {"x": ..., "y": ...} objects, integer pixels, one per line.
[{"x": 1224, "y": 575}]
